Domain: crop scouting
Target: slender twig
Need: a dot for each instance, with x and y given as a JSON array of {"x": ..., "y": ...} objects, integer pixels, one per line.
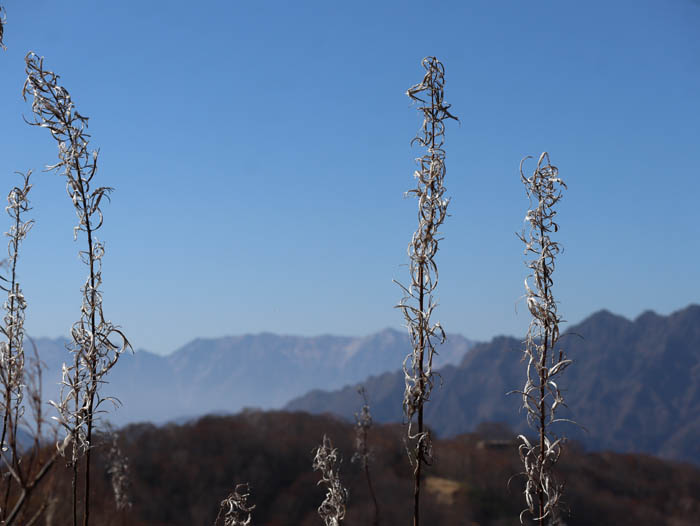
[
  {"x": 418, "y": 303},
  {"x": 26, "y": 491},
  {"x": 38, "y": 514}
]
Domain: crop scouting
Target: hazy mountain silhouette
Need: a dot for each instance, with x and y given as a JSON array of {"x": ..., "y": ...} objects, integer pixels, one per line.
[
  {"x": 227, "y": 374},
  {"x": 635, "y": 385}
]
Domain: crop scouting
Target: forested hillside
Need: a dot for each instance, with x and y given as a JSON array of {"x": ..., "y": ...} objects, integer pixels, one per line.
[{"x": 179, "y": 474}]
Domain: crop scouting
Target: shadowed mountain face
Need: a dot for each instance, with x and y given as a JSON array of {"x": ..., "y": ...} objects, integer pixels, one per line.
[
  {"x": 228, "y": 374},
  {"x": 635, "y": 386}
]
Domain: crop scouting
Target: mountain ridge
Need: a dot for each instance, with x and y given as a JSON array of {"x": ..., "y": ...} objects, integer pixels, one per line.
[
  {"x": 225, "y": 375},
  {"x": 635, "y": 384}
]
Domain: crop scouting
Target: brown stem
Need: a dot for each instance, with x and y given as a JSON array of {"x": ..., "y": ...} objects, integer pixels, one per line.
[
  {"x": 543, "y": 378},
  {"x": 9, "y": 375},
  {"x": 37, "y": 514},
  {"x": 92, "y": 361},
  {"x": 74, "y": 486},
  {"x": 375, "y": 522},
  {"x": 26, "y": 491},
  {"x": 420, "y": 459},
  {"x": 421, "y": 383}
]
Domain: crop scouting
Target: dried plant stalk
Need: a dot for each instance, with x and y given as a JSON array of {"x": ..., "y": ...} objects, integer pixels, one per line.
[
  {"x": 418, "y": 303},
  {"x": 234, "y": 509},
  {"x": 363, "y": 424},
  {"x": 541, "y": 395},
  {"x": 118, "y": 471},
  {"x": 18, "y": 382},
  {"x": 97, "y": 343},
  {"x": 12, "y": 350},
  {"x": 12, "y": 373},
  {"x": 332, "y": 509}
]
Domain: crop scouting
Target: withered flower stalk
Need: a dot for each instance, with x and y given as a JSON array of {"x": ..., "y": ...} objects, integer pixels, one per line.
[
  {"x": 363, "y": 424},
  {"x": 97, "y": 343},
  {"x": 234, "y": 509},
  {"x": 12, "y": 373},
  {"x": 21, "y": 385},
  {"x": 12, "y": 350},
  {"x": 541, "y": 395},
  {"x": 418, "y": 302},
  {"x": 332, "y": 509},
  {"x": 118, "y": 471}
]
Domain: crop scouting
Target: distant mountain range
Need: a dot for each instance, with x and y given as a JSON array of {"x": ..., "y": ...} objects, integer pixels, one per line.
[
  {"x": 224, "y": 375},
  {"x": 635, "y": 386}
]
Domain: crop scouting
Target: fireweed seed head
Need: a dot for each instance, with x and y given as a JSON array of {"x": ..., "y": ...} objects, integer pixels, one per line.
[{"x": 332, "y": 509}]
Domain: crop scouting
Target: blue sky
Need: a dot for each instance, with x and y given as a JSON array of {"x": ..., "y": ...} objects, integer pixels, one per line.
[{"x": 260, "y": 152}]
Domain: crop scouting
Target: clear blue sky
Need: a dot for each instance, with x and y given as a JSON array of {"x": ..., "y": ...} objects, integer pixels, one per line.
[{"x": 260, "y": 151}]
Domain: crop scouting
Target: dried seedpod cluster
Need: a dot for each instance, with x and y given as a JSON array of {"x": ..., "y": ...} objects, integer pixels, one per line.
[
  {"x": 12, "y": 374},
  {"x": 418, "y": 302},
  {"x": 332, "y": 509},
  {"x": 20, "y": 385},
  {"x": 363, "y": 423},
  {"x": 541, "y": 395},
  {"x": 234, "y": 509},
  {"x": 362, "y": 454},
  {"x": 97, "y": 343},
  {"x": 20, "y": 381},
  {"x": 118, "y": 471}
]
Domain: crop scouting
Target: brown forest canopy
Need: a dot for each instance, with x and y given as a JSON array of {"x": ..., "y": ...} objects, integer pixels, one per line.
[{"x": 180, "y": 473}]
